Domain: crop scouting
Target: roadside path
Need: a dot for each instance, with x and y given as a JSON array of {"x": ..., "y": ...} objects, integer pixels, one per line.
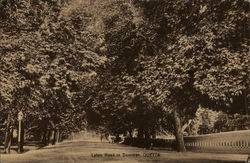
[{"x": 87, "y": 151}]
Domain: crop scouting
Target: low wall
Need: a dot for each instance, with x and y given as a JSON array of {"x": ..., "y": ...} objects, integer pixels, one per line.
[{"x": 226, "y": 142}]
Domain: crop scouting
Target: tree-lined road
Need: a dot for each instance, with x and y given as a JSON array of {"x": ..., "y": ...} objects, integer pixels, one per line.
[
  {"x": 85, "y": 151},
  {"x": 122, "y": 67}
]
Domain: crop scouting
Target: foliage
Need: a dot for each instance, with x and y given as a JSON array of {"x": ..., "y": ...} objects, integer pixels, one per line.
[
  {"x": 202, "y": 61},
  {"x": 233, "y": 122},
  {"x": 178, "y": 55},
  {"x": 123, "y": 65},
  {"x": 44, "y": 65},
  {"x": 204, "y": 122}
]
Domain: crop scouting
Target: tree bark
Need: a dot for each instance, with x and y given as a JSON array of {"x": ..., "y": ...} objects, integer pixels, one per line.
[
  {"x": 20, "y": 144},
  {"x": 57, "y": 135},
  {"x": 140, "y": 133},
  {"x": 8, "y": 136},
  {"x": 44, "y": 129},
  {"x": 48, "y": 135},
  {"x": 130, "y": 134},
  {"x": 53, "y": 137},
  {"x": 8, "y": 140},
  {"x": 44, "y": 140},
  {"x": 60, "y": 137},
  {"x": 146, "y": 139},
  {"x": 179, "y": 132},
  {"x": 52, "y": 133}
]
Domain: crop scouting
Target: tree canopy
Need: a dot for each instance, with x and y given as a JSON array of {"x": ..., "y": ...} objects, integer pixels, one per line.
[{"x": 126, "y": 66}]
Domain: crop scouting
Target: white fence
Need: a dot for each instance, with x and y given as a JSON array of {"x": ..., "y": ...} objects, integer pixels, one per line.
[{"x": 226, "y": 142}]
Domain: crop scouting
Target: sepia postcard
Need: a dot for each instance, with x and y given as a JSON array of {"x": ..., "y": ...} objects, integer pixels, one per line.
[{"x": 126, "y": 81}]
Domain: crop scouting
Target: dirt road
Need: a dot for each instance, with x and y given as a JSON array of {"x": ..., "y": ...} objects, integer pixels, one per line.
[{"x": 82, "y": 151}]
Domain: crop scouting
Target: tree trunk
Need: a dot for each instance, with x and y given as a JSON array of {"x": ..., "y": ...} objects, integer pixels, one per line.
[
  {"x": 60, "y": 137},
  {"x": 140, "y": 133},
  {"x": 52, "y": 133},
  {"x": 8, "y": 140},
  {"x": 57, "y": 135},
  {"x": 44, "y": 129},
  {"x": 41, "y": 136},
  {"x": 130, "y": 134},
  {"x": 20, "y": 144},
  {"x": 179, "y": 132},
  {"x": 48, "y": 136},
  {"x": 53, "y": 137},
  {"x": 146, "y": 139},
  {"x": 8, "y": 135},
  {"x": 44, "y": 140}
]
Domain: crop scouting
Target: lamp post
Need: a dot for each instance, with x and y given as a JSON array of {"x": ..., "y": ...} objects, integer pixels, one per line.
[{"x": 20, "y": 133}]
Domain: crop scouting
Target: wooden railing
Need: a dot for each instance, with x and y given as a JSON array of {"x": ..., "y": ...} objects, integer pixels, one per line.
[{"x": 226, "y": 142}]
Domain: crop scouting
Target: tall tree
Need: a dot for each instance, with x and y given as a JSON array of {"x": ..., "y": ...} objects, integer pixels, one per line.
[{"x": 202, "y": 56}]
